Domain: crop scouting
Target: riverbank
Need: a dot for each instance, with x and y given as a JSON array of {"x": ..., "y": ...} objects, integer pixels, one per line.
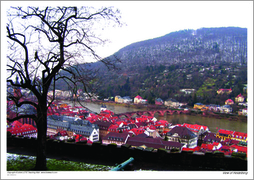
[{"x": 208, "y": 114}]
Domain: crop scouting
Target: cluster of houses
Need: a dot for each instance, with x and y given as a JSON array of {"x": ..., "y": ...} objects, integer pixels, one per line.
[
  {"x": 158, "y": 101},
  {"x": 225, "y": 108},
  {"x": 173, "y": 103},
  {"x": 18, "y": 129},
  {"x": 79, "y": 124},
  {"x": 143, "y": 132},
  {"x": 126, "y": 99}
]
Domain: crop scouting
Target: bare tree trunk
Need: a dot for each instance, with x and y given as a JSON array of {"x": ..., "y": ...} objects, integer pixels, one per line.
[{"x": 41, "y": 163}]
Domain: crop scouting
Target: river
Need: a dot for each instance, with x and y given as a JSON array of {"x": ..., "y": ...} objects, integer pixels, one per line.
[{"x": 212, "y": 123}]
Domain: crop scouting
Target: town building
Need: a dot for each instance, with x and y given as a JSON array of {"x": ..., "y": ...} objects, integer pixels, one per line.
[
  {"x": 187, "y": 91},
  {"x": 226, "y": 109},
  {"x": 239, "y": 98},
  {"x": 243, "y": 112},
  {"x": 73, "y": 125},
  {"x": 184, "y": 135},
  {"x": 155, "y": 143},
  {"x": 224, "y": 134},
  {"x": 118, "y": 99},
  {"x": 199, "y": 106},
  {"x": 210, "y": 138},
  {"x": 224, "y": 91},
  {"x": 229, "y": 102},
  {"x": 197, "y": 129},
  {"x": 139, "y": 100},
  {"x": 213, "y": 107},
  {"x": 239, "y": 136},
  {"x": 24, "y": 109},
  {"x": 18, "y": 129},
  {"x": 127, "y": 99},
  {"x": 103, "y": 128},
  {"x": 159, "y": 101},
  {"x": 172, "y": 103},
  {"x": 116, "y": 138}
]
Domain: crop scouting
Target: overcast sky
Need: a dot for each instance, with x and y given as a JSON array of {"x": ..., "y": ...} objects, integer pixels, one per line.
[{"x": 150, "y": 19}]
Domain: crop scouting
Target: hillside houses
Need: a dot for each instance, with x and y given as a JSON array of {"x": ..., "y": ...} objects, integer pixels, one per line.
[
  {"x": 172, "y": 103},
  {"x": 229, "y": 102},
  {"x": 226, "y": 108},
  {"x": 159, "y": 101},
  {"x": 224, "y": 91},
  {"x": 125, "y": 99},
  {"x": 187, "y": 91},
  {"x": 139, "y": 100},
  {"x": 239, "y": 99}
]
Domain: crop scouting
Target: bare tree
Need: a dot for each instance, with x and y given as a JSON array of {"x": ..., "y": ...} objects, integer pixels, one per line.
[{"x": 44, "y": 41}]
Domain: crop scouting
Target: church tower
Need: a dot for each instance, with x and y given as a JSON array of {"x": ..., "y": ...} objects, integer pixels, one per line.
[{"x": 17, "y": 90}]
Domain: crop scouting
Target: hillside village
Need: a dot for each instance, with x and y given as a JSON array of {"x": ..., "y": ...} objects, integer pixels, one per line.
[
  {"x": 205, "y": 88},
  {"x": 173, "y": 103}
]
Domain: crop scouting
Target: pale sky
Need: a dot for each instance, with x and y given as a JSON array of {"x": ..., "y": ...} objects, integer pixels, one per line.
[{"x": 150, "y": 19}]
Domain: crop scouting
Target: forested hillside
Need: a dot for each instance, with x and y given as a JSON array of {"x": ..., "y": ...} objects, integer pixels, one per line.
[
  {"x": 206, "y": 60},
  {"x": 192, "y": 46}
]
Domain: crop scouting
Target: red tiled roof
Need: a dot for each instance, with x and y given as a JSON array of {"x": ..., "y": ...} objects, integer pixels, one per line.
[
  {"x": 137, "y": 130},
  {"x": 106, "y": 112},
  {"x": 113, "y": 127},
  {"x": 215, "y": 143},
  {"x": 162, "y": 122},
  {"x": 207, "y": 146},
  {"x": 229, "y": 100},
  {"x": 27, "y": 129},
  {"x": 240, "y": 148},
  {"x": 238, "y": 134},
  {"x": 223, "y": 131},
  {"x": 120, "y": 122},
  {"x": 240, "y": 95},
  {"x": 16, "y": 124},
  {"x": 141, "y": 119},
  {"x": 197, "y": 148},
  {"x": 138, "y": 97},
  {"x": 225, "y": 89},
  {"x": 152, "y": 127},
  {"x": 89, "y": 141},
  {"x": 165, "y": 131}
]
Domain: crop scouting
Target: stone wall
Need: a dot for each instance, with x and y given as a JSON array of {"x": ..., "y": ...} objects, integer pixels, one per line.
[{"x": 143, "y": 159}]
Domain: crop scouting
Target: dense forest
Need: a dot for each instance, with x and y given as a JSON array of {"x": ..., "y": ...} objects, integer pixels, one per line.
[{"x": 206, "y": 60}]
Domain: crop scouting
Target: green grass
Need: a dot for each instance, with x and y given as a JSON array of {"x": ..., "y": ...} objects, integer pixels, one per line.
[{"x": 27, "y": 163}]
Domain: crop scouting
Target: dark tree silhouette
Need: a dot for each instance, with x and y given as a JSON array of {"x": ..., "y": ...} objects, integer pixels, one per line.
[{"x": 42, "y": 42}]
